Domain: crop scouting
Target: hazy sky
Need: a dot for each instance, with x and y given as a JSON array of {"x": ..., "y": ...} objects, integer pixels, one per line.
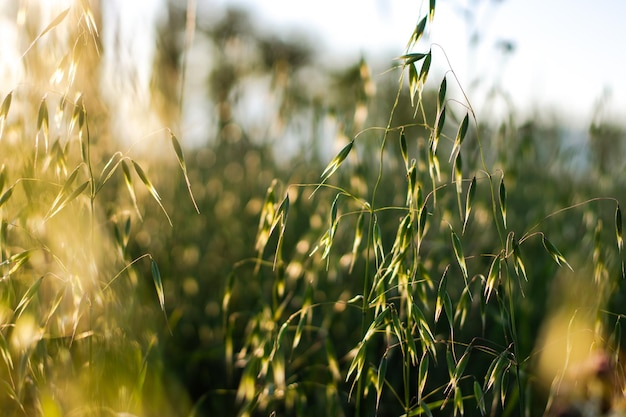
[{"x": 568, "y": 53}]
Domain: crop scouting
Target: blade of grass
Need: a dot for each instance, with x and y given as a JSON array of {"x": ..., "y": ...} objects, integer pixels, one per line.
[
  {"x": 109, "y": 169},
  {"x": 502, "y": 197},
  {"x": 131, "y": 189},
  {"x": 183, "y": 167},
  {"x": 554, "y": 252},
  {"x": 57, "y": 20},
  {"x": 6, "y": 195},
  {"x": 471, "y": 193},
  {"x": 458, "y": 253},
  {"x": 144, "y": 178},
  {"x": 65, "y": 201},
  {"x": 334, "y": 164},
  {"x": 4, "y": 111},
  {"x": 158, "y": 285},
  {"x": 26, "y": 298}
]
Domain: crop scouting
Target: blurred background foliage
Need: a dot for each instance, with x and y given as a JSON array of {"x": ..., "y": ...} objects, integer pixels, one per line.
[{"x": 273, "y": 112}]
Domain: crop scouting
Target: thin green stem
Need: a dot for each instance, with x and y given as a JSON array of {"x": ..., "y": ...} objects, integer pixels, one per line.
[
  {"x": 514, "y": 338},
  {"x": 364, "y": 306}
]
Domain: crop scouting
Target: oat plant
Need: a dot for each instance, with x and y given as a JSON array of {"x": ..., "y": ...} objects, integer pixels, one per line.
[
  {"x": 73, "y": 333},
  {"x": 411, "y": 299}
]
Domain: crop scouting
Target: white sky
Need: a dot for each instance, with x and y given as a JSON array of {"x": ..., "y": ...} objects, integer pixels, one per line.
[{"x": 567, "y": 51}]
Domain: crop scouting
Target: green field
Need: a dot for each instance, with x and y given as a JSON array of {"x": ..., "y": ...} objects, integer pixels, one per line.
[{"x": 342, "y": 241}]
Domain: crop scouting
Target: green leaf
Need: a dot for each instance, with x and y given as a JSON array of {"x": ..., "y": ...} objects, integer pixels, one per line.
[
  {"x": 518, "y": 264},
  {"x": 413, "y": 82},
  {"x": 376, "y": 323},
  {"x": 329, "y": 236},
  {"x": 422, "y": 376},
  {"x": 131, "y": 189},
  {"x": 333, "y": 210},
  {"x": 396, "y": 325},
  {"x": 27, "y": 297},
  {"x": 66, "y": 188},
  {"x": 451, "y": 365},
  {"x": 6, "y": 195},
  {"x": 42, "y": 121},
  {"x": 279, "y": 339},
  {"x": 462, "y": 307},
  {"x": 418, "y": 32},
  {"x": 458, "y": 176},
  {"x": 423, "y": 220},
  {"x": 441, "y": 292},
  {"x": 412, "y": 178},
  {"x": 6, "y": 105},
  {"x": 108, "y": 169},
  {"x": 357, "y": 362},
  {"x": 460, "y": 135},
  {"x": 426, "y": 335},
  {"x": 554, "y": 252},
  {"x": 78, "y": 115},
  {"x": 442, "y": 94},
  {"x": 495, "y": 371},
  {"x": 458, "y": 253},
  {"x": 336, "y": 161},
  {"x": 404, "y": 150},
  {"x": 431, "y": 10},
  {"x": 331, "y": 357},
  {"x": 379, "y": 251},
  {"x": 462, "y": 364},
  {"x": 504, "y": 385},
  {"x": 280, "y": 215},
  {"x": 410, "y": 59},
  {"x": 55, "y": 209},
  {"x": 441, "y": 119},
  {"x": 463, "y": 128},
  {"x": 4, "y": 111},
  {"x": 158, "y": 284},
  {"x": 411, "y": 347},
  {"x": 420, "y": 197},
  {"x": 433, "y": 166},
  {"x": 144, "y": 178},
  {"x": 425, "y": 68},
  {"x": 503, "y": 201},
  {"x": 447, "y": 308},
  {"x": 471, "y": 193},
  {"x": 618, "y": 228},
  {"x": 299, "y": 329},
  {"x": 183, "y": 166},
  {"x": 16, "y": 261},
  {"x": 458, "y": 401},
  {"x": 3, "y": 176},
  {"x": 57, "y": 20},
  {"x": 266, "y": 219},
  {"x": 493, "y": 277}
]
